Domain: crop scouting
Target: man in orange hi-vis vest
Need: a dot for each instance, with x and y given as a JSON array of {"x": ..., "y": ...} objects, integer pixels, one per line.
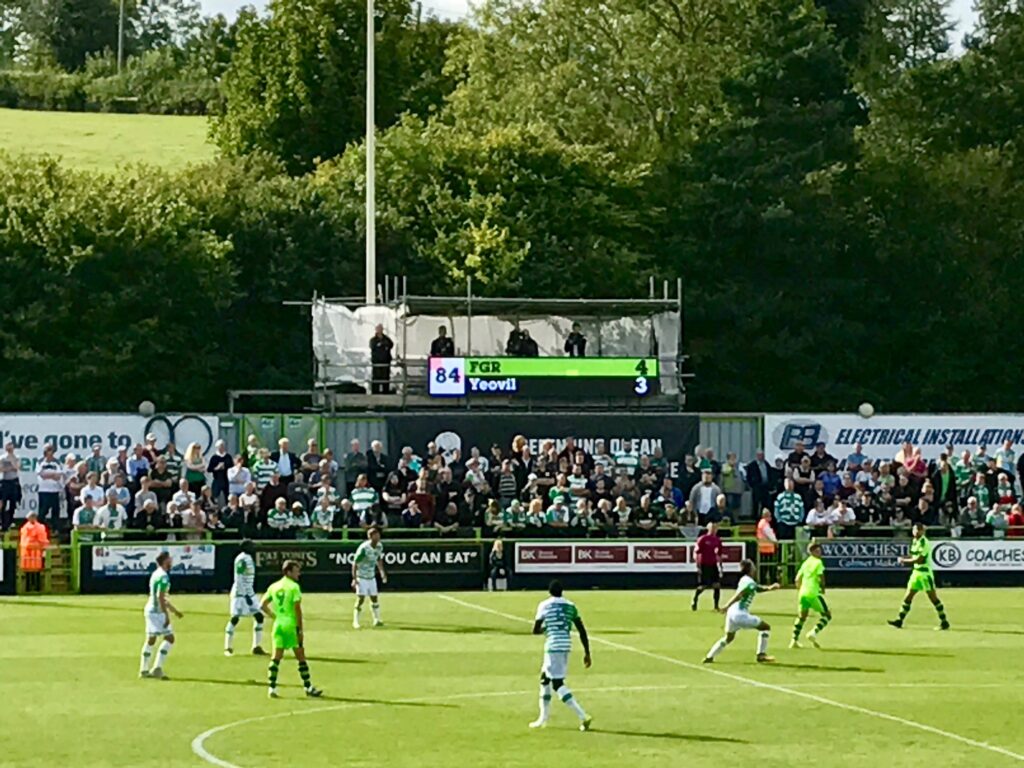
[{"x": 34, "y": 539}]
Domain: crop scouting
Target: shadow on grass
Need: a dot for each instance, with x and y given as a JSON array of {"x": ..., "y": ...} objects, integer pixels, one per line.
[
  {"x": 94, "y": 606},
  {"x": 339, "y": 660},
  {"x": 874, "y": 652},
  {"x": 825, "y": 667},
  {"x": 388, "y": 703},
  {"x": 454, "y": 629},
  {"x": 991, "y": 631},
  {"x": 698, "y": 737}
]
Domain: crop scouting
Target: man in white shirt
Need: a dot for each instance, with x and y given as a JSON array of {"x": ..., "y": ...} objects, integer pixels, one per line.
[
  {"x": 50, "y": 475},
  {"x": 92, "y": 490},
  {"x": 704, "y": 496},
  {"x": 111, "y": 516},
  {"x": 238, "y": 477},
  {"x": 183, "y": 499}
]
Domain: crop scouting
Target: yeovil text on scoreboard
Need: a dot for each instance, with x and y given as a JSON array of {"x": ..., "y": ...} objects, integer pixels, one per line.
[{"x": 624, "y": 377}]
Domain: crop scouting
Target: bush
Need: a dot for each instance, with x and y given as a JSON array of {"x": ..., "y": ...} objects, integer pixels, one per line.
[{"x": 45, "y": 89}]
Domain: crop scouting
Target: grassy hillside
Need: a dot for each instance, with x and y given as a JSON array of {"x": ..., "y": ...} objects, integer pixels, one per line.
[{"x": 94, "y": 141}]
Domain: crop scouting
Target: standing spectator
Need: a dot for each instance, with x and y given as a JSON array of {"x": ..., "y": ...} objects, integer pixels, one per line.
[
  {"x": 195, "y": 468},
  {"x": 393, "y": 496},
  {"x": 50, "y": 477},
  {"x": 1004, "y": 497},
  {"x": 732, "y": 484},
  {"x": 797, "y": 455},
  {"x": 803, "y": 478},
  {"x": 830, "y": 481},
  {"x": 856, "y": 460},
  {"x": 299, "y": 491},
  {"x": 96, "y": 463},
  {"x": 113, "y": 470},
  {"x": 380, "y": 360},
  {"x": 150, "y": 449},
  {"x": 251, "y": 518},
  {"x": 789, "y": 511},
  {"x": 767, "y": 542},
  {"x": 10, "y": 486},
  {"x": 981, "y": 491},
  {"x": 1006, "y": 459},
  {"x": 356, "y": 463},
  {"x": 364, "y": 497},
  {"x": 138, "y": 467},
  {"x": 944, "y": 482},
  {"x": 219, "y": 465},
  {"x": 376, "y": 467},
  {"x": 514, "y": 345},
  {"x": 703, "y": 495},
  {"x": 720, "y": 511},
  {"x": 264, "y": 468},
  {"x": 310, "y": 460},
  {"x": 162, "y": 481},
  {"x": 252, "y": 451},
  {"x": 576, "y": 342},
  {"x": 33, "y": 540},
  {"x": 273, "y": 491},
  {"x": 287, "y": 462},
  {"x": 529, "y": 347},
  {"x": 173, "y": 459},
  {"x": 442, "y": 346},
  {"x": 820, "y": 458},
  {"x": 238, "y": 477},
  {"x": 77, "y": 483},
  {"x": 507, "y": 486},
  {"x": 689, "y": 475},
  {"x": 760, "y": 481}
]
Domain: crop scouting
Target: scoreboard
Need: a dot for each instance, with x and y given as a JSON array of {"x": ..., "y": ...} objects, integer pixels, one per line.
[{"x": 537, "y": 377}]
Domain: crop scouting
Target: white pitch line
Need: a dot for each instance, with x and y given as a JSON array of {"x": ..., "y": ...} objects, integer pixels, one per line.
[{"x": 766, "y": 686}]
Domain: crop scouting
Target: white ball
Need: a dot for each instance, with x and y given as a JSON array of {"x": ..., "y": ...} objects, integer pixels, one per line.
[
  {"x": 867, "y": 410},
  {"x": 147, "y": 408}
]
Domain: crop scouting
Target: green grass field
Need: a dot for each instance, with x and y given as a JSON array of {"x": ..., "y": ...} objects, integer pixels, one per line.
[
  {"x": 452, "y": 680},
  {"x": 92, "y": 141}
]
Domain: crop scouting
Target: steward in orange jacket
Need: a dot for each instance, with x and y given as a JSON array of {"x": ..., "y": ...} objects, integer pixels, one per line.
[{"x": 33, "y": 540}]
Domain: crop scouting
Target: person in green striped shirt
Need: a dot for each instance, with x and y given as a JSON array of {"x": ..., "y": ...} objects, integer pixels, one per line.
[
  {"x": 555, "y": 619},
  {"x": 364, "y": 498},
  {"x": 922, "y": 578},
  {"x": 810, "y": 580}
]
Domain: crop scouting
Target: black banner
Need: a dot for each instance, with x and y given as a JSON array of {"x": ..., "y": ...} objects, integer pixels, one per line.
[
  {"x": 675, "y": 433},
  {"x": 8, "y": 571}
]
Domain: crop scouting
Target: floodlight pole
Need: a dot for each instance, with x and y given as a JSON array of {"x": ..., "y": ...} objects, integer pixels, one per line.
[
  {"x": 120, "y": 37},
  {"x": 371, "y": 156}
]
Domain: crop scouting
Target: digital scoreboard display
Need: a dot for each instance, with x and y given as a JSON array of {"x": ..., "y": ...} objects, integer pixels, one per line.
[{"x": 528, "y": 377}]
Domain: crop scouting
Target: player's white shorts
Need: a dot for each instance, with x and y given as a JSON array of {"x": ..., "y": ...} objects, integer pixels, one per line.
[
  {"x": 366, "y": 587},
  {"x": 157, "y": 623},
  {"x": 736, "y": 620},
  {"x": 244, "y": 606},
  {"x": 556, "y": 664}
]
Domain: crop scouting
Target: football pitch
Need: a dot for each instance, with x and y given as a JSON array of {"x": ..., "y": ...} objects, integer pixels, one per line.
[{"x": 452, "y": 680}]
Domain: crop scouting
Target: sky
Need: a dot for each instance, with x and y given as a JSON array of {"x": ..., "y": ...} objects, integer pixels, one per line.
[{"x": 961, "y": 10}]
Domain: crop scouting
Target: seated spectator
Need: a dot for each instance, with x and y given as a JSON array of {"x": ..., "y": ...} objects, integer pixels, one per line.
[
  {"x": 299, "y": 523},
  {"x": 182, "y": 498},
  {"x": 92, "y": 489},
  {"x": 916, "y": 465},
  {"x": 112, "y": 470},
  {"x": 866, "y": 475},
  {"x": 600, "y": 486},
  {"x": 577, "y": 481},
  {"x": 602, "y": 519},
  {"x": 206, "y": 501},
  {"x": 446, "y": 520},
  {"x": 162, "y": 481},
  {"x": 855, "y": 461},
  {"x": 557, "y": 515},
  {"x": 980, "y": 491},
  {"x": 560, "y": 490},
  {"x": 299, "y": 492},
  {"x": 843, "y": 514},
  {"x": 1015, "y": 522},
  {"x": 326, "y": 490},
  {"x": 84, "y": 518},
  {"x": 121, "y": 491},
  {"x": 646, "y": 475},
  {"x": 193, "y": 519},
  {"x": 250, "y": 501},
  {"x": 149, "y": 519},
  {"x": 602, "y": 458},
  {"x": 621, "y": 513},
  {"x": 819, "y": 517},
  {"x": 579, "y": 519},
  {"x": 886, "y": 479},
  {"x": 446, "y": 490},
  {"x": 474, "y": 508},
  {"x": 846, "y": 489},
  {"x": 645, "y": 518},
  {"x": 1005, "y": 496},
  {"x": 111, "y": 516},
  {"x": 669, "y": 520},
  {"x": 493, "y": 515},
  {"x": 412, "y": 517},
  {"x": 720, "y": 512},
  {"x": 323, "y": 518},
  {"x": 238, "y": 476},
  {"x": 900, "y": 521},
  {"x": 423, "y": 497},
  {"x": 668, "y": 494},
  {"x": 279, "y": 519},
  {"x": 998, "y": 522},
  {"x": 393, "y": 497}
]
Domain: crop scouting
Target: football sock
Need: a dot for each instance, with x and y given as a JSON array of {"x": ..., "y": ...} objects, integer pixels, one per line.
[
  {"x": 762, "y": 643},
  {"x": 147, "y": 653},
  {"x": 718, "y": 597},
  {"x": 941, "y": 610},
  {"x": 375, "y": 607},
  {"x": 904, "y": 610},
  {"x": 257, "y": 634},
  {"x": 717, "y": 648},
  {"x": 272, "y": 673},
  {"x": 569, "y": 700},
  {"x": 162, "y": 654},
  {"x": 798, "y": 627},
  {"x": 229, "y": 636},
  {"x": 545, "y": 701},
  {"x": 822, "y": 623},
  {"x": 304, "y": 674}
]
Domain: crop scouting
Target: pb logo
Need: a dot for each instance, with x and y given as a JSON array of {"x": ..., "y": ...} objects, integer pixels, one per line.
[
  {"x": 946, "y": 555},
  {"x": 793, "y": 433}
]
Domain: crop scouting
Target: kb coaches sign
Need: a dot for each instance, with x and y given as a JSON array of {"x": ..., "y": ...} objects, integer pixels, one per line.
[
  {"x": 966, "y": 555},
  {"x": 882, "y": 436}
]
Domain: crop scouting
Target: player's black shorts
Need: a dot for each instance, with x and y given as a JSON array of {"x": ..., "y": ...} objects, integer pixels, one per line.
[{"x": 709, "y": 575}]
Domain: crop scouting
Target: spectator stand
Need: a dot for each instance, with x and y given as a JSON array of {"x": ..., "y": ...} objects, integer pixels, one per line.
[{"x": 344, "y": 373}]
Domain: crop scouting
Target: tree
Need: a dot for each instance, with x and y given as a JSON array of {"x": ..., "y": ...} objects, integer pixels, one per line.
[
  {"x": 904, "y": 34},
  {"x": 66, "y": 32},
  {"x": 296, "y": 83},
  {"x": 162, "y": 23}
]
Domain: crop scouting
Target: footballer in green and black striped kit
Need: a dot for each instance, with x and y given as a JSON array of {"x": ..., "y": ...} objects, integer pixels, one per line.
[
  {"x": 922, "y": 578},
  {"x": 555, "y": 619}
]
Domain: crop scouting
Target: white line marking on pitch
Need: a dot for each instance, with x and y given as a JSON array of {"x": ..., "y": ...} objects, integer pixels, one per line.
[
  {"x": 199, "y": 747},
  {"x": 767, "y": 686}
]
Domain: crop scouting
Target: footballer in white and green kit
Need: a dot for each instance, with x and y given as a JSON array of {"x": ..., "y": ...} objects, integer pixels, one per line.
[
  {"x": 244, "y": 602},
  {"x": 366, "y": 564},
  {"x": 555, "y": 619},
  {"x": 158, "y": 612},
  {"x": 738, "y": 615}
]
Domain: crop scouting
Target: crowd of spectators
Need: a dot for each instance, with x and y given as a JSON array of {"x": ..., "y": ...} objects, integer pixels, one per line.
[{"x": 563, "y": 490}]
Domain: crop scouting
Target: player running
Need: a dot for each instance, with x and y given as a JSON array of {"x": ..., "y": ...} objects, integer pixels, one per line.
[
  {"x": 368, "y": 560},
  {"x": 709, "y": 569},
  {"x": 738, "y": 615},
  {"x": 158, "y": 619},
  {"x": 286, "y": 597},
  {"x": 556, "y": 617},
  {"x": 810, "y": 580},
  {"x": 922, "y": 578},
  {"x": 243, "y": 601}
]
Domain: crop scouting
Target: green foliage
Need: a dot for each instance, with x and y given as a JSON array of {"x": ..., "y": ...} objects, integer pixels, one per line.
[
  {"x": 66, "y": 32},
  {"x": 295, "y": 86}
]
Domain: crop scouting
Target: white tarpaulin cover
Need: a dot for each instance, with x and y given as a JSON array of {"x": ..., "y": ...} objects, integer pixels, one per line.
[{"x": 341, "y": 338}]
